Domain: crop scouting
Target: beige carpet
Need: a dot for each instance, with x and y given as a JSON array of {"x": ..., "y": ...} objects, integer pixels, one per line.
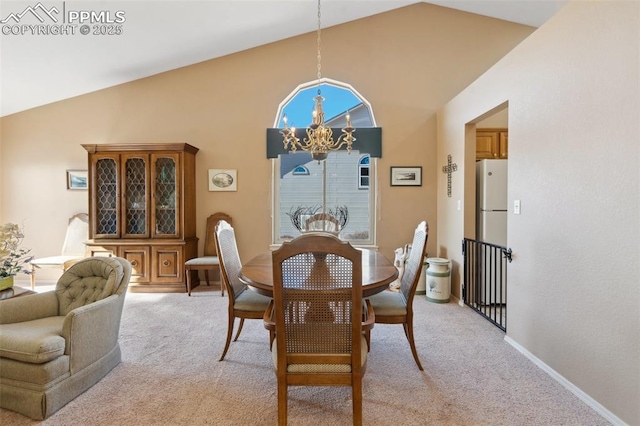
[{"x": 170, "y": 375}]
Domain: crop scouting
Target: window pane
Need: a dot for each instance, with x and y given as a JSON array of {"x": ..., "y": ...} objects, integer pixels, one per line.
[{"x": 304, "y": 193}]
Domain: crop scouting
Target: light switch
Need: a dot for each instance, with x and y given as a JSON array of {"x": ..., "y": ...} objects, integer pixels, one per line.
[
  {"x": 459, "y": 205},
  {"x": 516, "y": 207}
]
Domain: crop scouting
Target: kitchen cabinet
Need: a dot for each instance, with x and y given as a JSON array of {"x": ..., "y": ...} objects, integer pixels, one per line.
[
  {"x": 492, "y": 144},
  {"x": 142, "y": 208}
]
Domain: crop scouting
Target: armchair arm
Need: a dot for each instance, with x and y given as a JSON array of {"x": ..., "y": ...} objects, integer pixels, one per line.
[
  {"x": 370, "y": 317},
  {"x": 269, "y": 318},
  {"x": 92, "y": 330},
  {"x": 270, "y": 322},
  {"x": 27, "y": 308}
]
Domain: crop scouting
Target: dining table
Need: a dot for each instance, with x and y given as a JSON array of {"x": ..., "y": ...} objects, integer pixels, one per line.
[{"x": 377, "y": 273}]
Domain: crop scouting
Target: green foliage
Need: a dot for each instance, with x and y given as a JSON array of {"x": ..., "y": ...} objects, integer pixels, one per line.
[{"x": 13, "y": 259}]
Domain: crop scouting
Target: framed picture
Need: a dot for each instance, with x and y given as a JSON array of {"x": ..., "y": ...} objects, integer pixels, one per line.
[
  {"x": 223, "y": 180},
  {"x": 406, "y": 176},
  {"x": 76, "y": 179}
]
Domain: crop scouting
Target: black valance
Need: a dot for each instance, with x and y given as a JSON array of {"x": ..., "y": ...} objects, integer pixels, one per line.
[{"x": 368, "y": 141}]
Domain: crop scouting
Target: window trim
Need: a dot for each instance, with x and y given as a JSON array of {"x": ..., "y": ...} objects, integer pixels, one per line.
[
  {"x": 373, "y": 164},
  {"x": 328, "y": 81}
]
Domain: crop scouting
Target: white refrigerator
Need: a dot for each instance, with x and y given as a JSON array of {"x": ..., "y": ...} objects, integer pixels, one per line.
[{"x": 491, "y": 196}]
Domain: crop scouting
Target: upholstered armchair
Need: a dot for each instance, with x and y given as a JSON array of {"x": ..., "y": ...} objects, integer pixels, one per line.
[{"x": 56, "y": 345}]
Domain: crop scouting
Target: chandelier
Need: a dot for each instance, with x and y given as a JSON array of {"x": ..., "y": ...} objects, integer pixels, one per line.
[{"x": 319, "y": 140}]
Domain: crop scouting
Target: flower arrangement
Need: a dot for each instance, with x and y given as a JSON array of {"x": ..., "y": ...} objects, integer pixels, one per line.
[{"x": 13, "y": 259}]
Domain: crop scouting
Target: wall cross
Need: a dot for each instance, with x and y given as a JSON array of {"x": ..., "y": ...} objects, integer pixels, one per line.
[{"x": 448, "y": 169}]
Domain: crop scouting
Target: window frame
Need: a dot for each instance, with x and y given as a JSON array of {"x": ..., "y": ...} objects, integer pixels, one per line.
[
  {"x": 361, "y": 167},
  {"x": 373, "y": 184}
]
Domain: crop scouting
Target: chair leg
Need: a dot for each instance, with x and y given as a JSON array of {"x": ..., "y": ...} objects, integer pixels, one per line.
[
  {"x": 412, "y": 343},
  {"x": 282, "y": 402},
  {"x": 221, "y": 283},
  {"x": 188, "y": 274},
  {"x": 33, "y": 278},
  {"x": 356, "y": 397},
  {"x": 229, "y": 333},
  {"x": 367, "y": 338},
  {"x": 239, "y": 329},
  {"x": 206, "y": 276}
]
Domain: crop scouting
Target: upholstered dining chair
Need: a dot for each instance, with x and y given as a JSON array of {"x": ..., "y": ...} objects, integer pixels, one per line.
[
  {"x": 73, "y": 248},
  {"x": 397, "y": 307},
  {"x": 209, "y": 261},
  {"x": 317, "y": 317},
  {"x": 243, "y": 303},
  {"x": 322, "y": 222}
]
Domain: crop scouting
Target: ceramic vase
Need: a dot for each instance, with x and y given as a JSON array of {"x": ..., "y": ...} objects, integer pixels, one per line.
[{"x": 6, "y": 282}]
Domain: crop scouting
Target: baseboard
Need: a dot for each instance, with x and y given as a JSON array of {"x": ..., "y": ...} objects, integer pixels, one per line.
[{"x": 608, "y": 415}]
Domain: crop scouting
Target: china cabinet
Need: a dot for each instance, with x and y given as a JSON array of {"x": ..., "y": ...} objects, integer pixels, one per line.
[{"x": 142, "y": 208}]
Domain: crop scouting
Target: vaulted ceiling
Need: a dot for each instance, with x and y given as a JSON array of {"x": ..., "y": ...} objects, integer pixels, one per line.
[{"x": 160, "y": 35}]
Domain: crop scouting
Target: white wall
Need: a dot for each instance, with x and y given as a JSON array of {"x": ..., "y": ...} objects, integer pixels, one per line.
[{"x": 574, "y": 285}]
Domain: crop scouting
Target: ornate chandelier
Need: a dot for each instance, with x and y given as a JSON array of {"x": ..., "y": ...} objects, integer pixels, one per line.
[{"x": 319, "y": 140}]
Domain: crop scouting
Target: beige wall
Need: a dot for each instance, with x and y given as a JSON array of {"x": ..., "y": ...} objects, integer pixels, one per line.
[
  {"x": 407, "y": 63},
  {"x": 573, "y": 95}
]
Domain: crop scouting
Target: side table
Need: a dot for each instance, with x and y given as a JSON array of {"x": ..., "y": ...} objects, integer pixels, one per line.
[{"x": 15, "y": 292}]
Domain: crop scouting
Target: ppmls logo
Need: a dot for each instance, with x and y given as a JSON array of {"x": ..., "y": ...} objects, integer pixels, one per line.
[
  {"x": 17, "y": 17},
  {"x": 40, "y": 20}
]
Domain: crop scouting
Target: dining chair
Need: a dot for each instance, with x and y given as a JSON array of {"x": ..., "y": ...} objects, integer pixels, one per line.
[
  {"x": 322, "y": 222},
  {"x": 209, "y": 259},
  {"x": 73, "y": 248},
  {"x": 317, "y": 317},
  {"x": 392, "y": 307},
  {"x": 243, "y": 303}
]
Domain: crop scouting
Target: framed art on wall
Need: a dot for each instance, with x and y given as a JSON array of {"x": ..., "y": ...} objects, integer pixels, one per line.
[
  {"x": 76, "y": 179},
  {"x": 406, "y": 176},
  {"x": 223, "y": 180}
]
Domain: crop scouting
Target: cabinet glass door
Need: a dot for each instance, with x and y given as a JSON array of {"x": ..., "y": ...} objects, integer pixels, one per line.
[
  {"x": 165, "y": 196},
  {"x": 106, "y": 198},
  {"x": 136, "y": 196}
]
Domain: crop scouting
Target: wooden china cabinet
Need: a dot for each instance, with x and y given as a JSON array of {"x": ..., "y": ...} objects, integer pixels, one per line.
[{"x": 142, "y": 208}]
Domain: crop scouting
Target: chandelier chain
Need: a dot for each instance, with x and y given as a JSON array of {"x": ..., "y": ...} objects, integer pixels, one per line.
[
  {"x": 319, "y": 39},
  {"x": 319, "y": 140}
]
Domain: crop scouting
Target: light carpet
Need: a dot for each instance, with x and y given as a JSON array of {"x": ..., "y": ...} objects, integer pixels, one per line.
[{"x": 170, "y": 375}]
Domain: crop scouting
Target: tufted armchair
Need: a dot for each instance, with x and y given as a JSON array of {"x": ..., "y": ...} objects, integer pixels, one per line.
[{"x": 56, "y": 345}]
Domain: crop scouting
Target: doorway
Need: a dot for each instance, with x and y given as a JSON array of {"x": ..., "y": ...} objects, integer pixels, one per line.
[{"x": 485, "y": 245}]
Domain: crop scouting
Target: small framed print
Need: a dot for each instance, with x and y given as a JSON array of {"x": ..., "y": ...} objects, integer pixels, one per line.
[
  {"x": 223, "y": 180},
  {"x": 406, "y": 176},
  {"x": 76, "y": 179}
]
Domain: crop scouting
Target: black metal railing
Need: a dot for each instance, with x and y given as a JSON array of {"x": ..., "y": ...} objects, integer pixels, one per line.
[{"x": 485, "y": 280}]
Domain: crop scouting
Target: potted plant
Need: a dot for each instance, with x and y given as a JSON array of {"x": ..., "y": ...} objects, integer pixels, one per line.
[{"x": 13, "y": 259}]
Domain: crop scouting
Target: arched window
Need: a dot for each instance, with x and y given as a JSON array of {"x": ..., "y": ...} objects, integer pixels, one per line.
[
  {"x": 300, "y": 171},
  {"x": 342, "y": 182}
]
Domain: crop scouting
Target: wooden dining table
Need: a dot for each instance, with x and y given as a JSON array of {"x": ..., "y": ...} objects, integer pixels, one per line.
[{"x": 377, "y": 273}]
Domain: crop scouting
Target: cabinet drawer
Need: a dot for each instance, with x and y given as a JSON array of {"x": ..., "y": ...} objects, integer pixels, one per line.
[
  {"x": 138, "y": 256},
  {"x": 102, "y": 251},
  {"x": 168, "y": 262}
]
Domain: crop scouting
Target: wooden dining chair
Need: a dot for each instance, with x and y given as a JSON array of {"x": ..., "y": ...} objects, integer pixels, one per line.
[
  {"x": 317, "y": 316},
  {"x": 397, "y": 307},
  {"x": 209, "y": 260},
  {"x": 243, "y": 303}
]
